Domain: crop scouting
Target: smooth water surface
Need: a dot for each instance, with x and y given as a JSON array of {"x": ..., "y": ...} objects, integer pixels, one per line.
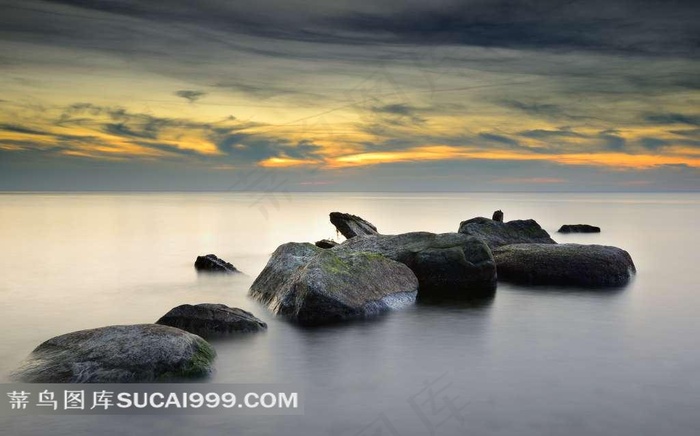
[{"x": 533, "y": 361}]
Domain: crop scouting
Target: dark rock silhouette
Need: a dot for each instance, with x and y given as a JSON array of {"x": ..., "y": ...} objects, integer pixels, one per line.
[
  {"x": 326, "y": 243},
  {"x": 118, "y": 354},
  {"x": 211, "y": 320},
  {"x": 564, "y": 264},
  {"x": 496, "y": 234},
  {"x": 498, "y": 216},
  {"x": 578, "y": 228},
  {"x": 352, "y": 225},
  {"x": 212, "y": 263}
]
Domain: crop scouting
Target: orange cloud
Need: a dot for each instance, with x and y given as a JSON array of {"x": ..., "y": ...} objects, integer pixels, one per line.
[
  {"x": 439, "y": 152},
  {"x": 281, "y": 162}
]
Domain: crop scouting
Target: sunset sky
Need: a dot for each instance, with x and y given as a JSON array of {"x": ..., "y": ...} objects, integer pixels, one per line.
[{"x": 350, "y": 95}]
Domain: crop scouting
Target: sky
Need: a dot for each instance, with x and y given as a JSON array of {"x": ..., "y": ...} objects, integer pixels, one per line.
[{"x": 340, "y": 95}]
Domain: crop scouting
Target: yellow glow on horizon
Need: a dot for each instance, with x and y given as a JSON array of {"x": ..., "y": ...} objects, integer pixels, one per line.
[
  {"x": 607, "y": 159},
  {"x": 279, "y": 162}
]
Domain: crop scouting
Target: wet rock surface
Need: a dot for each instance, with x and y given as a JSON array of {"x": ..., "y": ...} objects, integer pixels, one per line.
[
  {"x": 311, "y": 285},
  {"x": 496, "y": 234},
  {"x": 596, "y": 266},
  {"x": 446, "y": 264},
  {"x": 118, "y": 354},
  {"x": 211, "y": 320}
]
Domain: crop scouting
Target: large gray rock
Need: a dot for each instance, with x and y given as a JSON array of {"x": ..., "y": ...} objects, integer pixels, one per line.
[
  {"x": 211, "y": 263},
  {"x": 564, "y": 264},
  {"x": 311, "y": 285},
  {"x": 351, "y": 225},
  {"x": 211, "y": 320},
  {"x": 447, "y": 265},
  {"x": 496, "y": 233},
  {"x": 118, "y": 354}
]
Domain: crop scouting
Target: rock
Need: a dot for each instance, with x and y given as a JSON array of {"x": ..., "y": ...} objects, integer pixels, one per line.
[
  {"x": 449, "y": 265},
  {"x": 578, "y": 228},
  {"x": 351, "y": 225},
  {"x": 212, "y": 263},
  {"x": 496, "y": 234},
  {"x": 211, "y": 320},
  {"x": 498, "y": 216},
  {"x": 312, "y": 286},
  {"x": 326, "y": 243},
  {"x": 564, "y": 264},
  {"x": 286, "y": 260},
  {"x": 118, "y": 354}
]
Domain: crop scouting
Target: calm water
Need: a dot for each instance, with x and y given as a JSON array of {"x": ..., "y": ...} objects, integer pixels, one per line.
[{"x": 531, "y": 362}]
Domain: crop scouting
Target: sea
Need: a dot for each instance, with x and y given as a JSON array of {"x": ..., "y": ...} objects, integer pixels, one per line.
[{"x": 530, "y": 361}]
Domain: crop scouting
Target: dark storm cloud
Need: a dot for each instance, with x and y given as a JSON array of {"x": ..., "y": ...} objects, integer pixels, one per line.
[
  {"x": 645, "y": 26},
  {"x": 641, "y": 27},
  {"x": 21, "y": 129},
  {"x": 492, "y": 137},
  {"x": 395, "y": 109},
  {"x": 653, "y": 143},
  {"x": 190, "y": 95},
  {"x": 609, "y": 139},
  {"x": 692, "y": 133},
  {"x": 394, "y": 114},
  {"x": 550, "y": 134},
  {"x": 674, "y": 118},
  {"x": 537, "y": 109},
  {"x": 612, "y": 141},
  {"x": 245, "y": 147}
]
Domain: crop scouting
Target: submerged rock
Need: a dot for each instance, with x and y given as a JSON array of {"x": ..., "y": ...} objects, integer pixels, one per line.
[
  {"x": 564, "y": 264},
  {"x": 326, "y": 243},
  {"x": 118, "y": 354},
  {"x": 351, "y": 225},
  {"x": 496, "y": 234},
  {"x": 578, "y": 228},
  {"x": 210, "y": 320},
  {"x": 212, "y": 263},
  {"x": 312, "y": 286},
  {"x": 498, "y": 216},
  {"x": 447, "y": 265}
]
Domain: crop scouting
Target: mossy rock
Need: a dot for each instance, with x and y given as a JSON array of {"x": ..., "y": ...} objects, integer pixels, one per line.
[
  {"x": 496, "y": 234},
  {"x": 312, "y": 286},
  {"x": 119, "y": 354}
]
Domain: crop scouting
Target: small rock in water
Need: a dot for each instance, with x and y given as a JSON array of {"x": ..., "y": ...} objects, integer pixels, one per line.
[
  {"x": 118, "y": 354},
  {"x": 578, "y": 228},
  {"x": 352, "y": 225},
  {"x": 211, "y": 320},
  {"x": 326, "y": 243},
  {"x": 498, "y": 216},
  {"x": 213, "y": 264}
]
